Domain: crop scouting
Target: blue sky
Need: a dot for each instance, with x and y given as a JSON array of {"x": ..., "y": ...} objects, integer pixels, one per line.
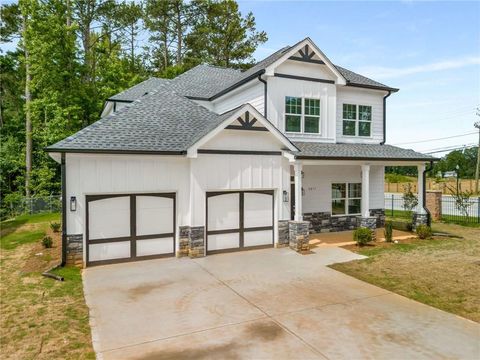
[{"x": 430, "y": 50}]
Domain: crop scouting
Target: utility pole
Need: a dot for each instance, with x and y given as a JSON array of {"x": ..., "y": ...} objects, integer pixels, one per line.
[{"x": 477, "y": 170}]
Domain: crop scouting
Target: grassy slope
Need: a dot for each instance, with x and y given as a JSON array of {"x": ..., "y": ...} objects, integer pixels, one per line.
[
  {"x": 41, "y": 318},
  {"x": 441, "y": 272}
]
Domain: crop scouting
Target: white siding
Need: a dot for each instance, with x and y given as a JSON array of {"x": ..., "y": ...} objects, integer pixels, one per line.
[
  {"x": 244, "y": 140},
  {"x": 297, "y": 68},
  {"x": 357, "y": 96},
  {"x": 318, "y": 179},
  {"x": 279, "y": 88},
  {"x": 89, "y": 174},
  {"x": 251, "y": 93}
]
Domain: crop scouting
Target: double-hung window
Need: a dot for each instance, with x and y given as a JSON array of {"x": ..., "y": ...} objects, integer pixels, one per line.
[
  {"x": 346, "y": 198},
  {"x": 302, "y": 115},
  {"x": 357, "y": 120}
]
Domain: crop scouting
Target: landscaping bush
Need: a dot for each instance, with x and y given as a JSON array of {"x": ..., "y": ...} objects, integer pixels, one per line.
[
  {"x": 424, "y": 231},
  {"x": 47, "y": 242},
  {"x": 402, "y": 225},
  {"x": 55, "y": 226},
  {"x": 362, "y": 236},
  {"x": 388, "y": 231}
]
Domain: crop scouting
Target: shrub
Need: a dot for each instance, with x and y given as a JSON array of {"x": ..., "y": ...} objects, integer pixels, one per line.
[
  {"x": 47, "y": 242},
  {"x": 424, "y": 231},
  {"x": 362, "y": 236},
  {"x": 388, "y": 231},
  {"x": 55, "y": 226}
]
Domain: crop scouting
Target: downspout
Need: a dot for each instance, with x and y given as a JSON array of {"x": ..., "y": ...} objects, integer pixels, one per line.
[
  {"x": 264, "y": 95},
  {"x": 385, "y": 117},
  {"x": 64, "y": 210},
  {"x": 424, "y": 195}
]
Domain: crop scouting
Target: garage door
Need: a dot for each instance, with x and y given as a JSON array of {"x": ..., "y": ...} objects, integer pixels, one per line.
[
  {"x": 129, "y": 227},
  {"x": 239, "y": 220}
]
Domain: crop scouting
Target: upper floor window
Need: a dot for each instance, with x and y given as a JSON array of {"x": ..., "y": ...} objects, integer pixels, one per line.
[
  {"x": 357, "y": 120},
  {"x": 302, "y": 115}
]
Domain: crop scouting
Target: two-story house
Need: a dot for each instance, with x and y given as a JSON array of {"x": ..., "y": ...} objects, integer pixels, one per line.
[{"x": 223, "y": 160}]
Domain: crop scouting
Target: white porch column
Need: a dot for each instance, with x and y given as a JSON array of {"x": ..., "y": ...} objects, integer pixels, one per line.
[
  {"x": 421, "y": 169},
  {"x": 365, "y": 191},
  {"x": 297, "y": 166}
]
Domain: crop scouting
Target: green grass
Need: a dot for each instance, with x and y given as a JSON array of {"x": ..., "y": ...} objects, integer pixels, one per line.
[
  {"x": 12, "y": 240},
  {"x": 29, "y": 219},
  {"x": 441, "y": 272}
]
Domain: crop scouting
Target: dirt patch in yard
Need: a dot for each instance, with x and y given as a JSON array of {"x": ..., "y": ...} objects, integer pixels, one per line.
[
  {"x": 41, "y": 318},
  {"x": 441, "y": 272}
]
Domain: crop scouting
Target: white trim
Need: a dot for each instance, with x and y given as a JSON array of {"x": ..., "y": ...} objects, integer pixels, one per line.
[
  {"x": 192, "y": 150},
  {"x": 270, "y": 70}
]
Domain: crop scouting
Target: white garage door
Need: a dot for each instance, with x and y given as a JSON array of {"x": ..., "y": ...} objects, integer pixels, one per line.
[
  {"x": 239, "y": 220},
  {"x": 129, "y": 227}
]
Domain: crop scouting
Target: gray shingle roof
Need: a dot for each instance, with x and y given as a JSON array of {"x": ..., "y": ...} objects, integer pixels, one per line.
[
  {"x": 161, "y": 121},
  {"x": 139, "y": 90},
  {"x": 357, "y": 151},
  {"x": 360, "y": 80}
]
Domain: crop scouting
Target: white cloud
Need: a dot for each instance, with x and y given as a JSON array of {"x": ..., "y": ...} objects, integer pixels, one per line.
[{"x": 379, "y": 72}]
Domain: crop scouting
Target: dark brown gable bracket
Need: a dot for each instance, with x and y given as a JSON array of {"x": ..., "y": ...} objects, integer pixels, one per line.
[
  {"x": 306, "y": 56},
  {"x": 246, "y": 124}
]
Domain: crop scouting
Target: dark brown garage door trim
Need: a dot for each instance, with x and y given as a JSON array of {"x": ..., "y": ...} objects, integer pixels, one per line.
[
  {"x": 133, "y": 229},
  {"x": 241, "y": 230}
]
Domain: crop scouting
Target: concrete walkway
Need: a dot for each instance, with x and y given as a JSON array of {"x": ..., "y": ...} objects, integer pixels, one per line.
[{"x": 265, "y": 304}]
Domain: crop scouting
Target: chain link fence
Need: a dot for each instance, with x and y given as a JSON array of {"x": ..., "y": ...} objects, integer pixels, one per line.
[{"x": 33, "y": 205}]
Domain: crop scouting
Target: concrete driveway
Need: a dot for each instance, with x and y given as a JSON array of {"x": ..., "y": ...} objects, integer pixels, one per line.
[{"x": 265, "y": 304}]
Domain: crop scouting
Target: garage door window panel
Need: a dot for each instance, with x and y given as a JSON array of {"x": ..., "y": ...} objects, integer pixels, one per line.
[
  {"x": 109, "y": 218},
  {"x": 154, "y": 215}
]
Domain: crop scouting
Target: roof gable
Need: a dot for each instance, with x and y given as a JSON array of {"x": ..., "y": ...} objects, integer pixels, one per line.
[{"x": 306, "y": 50}]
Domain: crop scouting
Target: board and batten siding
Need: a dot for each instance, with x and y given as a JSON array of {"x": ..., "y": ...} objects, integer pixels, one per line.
[
  {"x": 212, "y": 172},
  {"x": 251, "y": 93},
  {"x": 279, "y": 88},
  {"x": 247, "y": 140},
  {"x": 318, "y": 180},
  {"x": 89, "y": 174},
  {"x": 357, "y": 96}
]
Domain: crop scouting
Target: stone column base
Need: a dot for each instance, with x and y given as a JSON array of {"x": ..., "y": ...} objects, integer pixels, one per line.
[
  {"x": 75, "y": 250},
  {"x": 298, "y": 235},
  {"x": 419, "y": 219},
  {"x": 191, "y": 242}
]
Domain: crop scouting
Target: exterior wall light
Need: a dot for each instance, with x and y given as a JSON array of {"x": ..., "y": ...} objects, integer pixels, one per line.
[
  {"x": 73, "y": 203},
  {"x": 285, "y": 196}
]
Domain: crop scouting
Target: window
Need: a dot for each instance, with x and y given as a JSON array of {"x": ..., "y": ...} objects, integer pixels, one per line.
[
  {"x": 346, "y": 198},
  {"x": 300, "y": 118},
  {"x": 357, "y": 120},
  {"x": 293, "y": 114}
]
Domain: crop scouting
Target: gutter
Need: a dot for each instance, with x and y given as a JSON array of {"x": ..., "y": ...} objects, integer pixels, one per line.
[
  {"x": 424, "y": 195},
  {"x": 113, "y": 152},
  {"x": 64, "y": 211},
  {"x": 385, "y": 117},
  {"x": 236, "y": 85},
  {"x": 264, "y": 95}
]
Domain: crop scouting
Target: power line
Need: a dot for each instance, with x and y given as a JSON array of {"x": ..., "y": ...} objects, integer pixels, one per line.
[
  {"x": 435, "y": 139},
  {"x": 452, "y": 148}
]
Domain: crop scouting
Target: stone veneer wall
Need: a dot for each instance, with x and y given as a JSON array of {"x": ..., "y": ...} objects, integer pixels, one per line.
[
  {"x": 283, "y": 233},
  {"x": 75, "y": 250},
  {"x": 434, "y": 203},
  {"x": 325, "y": 222},
  {"x": 192, "y": 241},
  {"x": 298, "y": 235}
]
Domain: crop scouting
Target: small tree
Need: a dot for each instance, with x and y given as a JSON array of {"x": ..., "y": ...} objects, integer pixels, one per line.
[
  {"x": 462, "y": 199},
  {"x": 410, "y": 200}
]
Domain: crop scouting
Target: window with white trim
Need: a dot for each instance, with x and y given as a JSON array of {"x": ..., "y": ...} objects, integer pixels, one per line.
[
  {"x": 302, "y": 115},
  {"x": 346, "y": 198},
  {"x": 357, "y": 120}
]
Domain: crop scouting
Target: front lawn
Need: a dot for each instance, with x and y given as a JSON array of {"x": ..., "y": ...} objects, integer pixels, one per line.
[
  {"x": 442, "y": 272},
  {"x": 41, "y": 318}
]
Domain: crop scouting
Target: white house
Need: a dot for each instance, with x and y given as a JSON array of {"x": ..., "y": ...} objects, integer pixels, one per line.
[{"x": 223, "y": 160}]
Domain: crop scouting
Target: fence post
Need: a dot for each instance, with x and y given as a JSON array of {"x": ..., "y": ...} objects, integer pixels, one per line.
[
  {"x": 392, "y": 204},
  {"x": 478, "y": 209}
]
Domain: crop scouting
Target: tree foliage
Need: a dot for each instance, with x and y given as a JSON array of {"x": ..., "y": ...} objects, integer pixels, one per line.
[{"x": 67, "y": 56}]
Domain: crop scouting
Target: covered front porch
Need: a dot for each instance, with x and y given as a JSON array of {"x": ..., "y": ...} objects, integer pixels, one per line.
[{"x": 339, "y": 187}]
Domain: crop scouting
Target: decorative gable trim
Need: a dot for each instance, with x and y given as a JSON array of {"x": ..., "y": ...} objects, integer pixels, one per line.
[
  {"x": 241, "y": 114},
  {"x": 307, "y": 49}
]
